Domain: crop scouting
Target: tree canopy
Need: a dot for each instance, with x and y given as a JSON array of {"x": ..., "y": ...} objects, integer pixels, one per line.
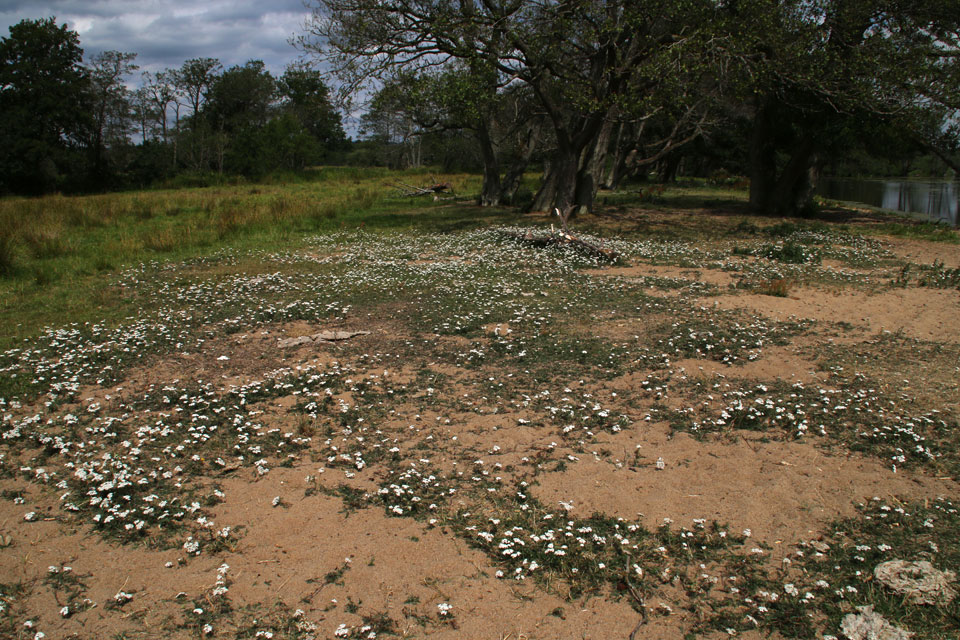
[
  {"x": 71, "y": 124},
  {"x": 626, "y": 84},
  {"x": 594, "y": 93},
  {"x": 44, "y": 98}
]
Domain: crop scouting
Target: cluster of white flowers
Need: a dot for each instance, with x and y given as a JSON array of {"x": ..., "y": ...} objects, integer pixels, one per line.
[
  {"x": 192, "y": 546},
  {"x": 221, "y": 587},
  {"x": 800, "y": 410}
]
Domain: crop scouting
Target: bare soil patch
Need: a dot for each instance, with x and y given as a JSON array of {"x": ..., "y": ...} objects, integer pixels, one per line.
[
  {"x": 708, "y": 276},
  {"x": 921, "y": 252},
  {"x": 927, "y": 314},
  {"x": 491, "y": 464},
  {"x": 785, "y": 491}
]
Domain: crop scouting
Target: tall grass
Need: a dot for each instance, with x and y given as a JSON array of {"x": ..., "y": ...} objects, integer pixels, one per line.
[
  {"x": 80, "y": 235},
  {"x": 54, "y": 250}
]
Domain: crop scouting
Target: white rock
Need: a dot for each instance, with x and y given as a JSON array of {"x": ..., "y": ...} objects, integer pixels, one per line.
[{"x": 869, "y": 625}]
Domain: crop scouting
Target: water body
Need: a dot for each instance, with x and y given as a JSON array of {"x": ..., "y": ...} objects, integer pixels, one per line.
[{"x": 936, "y": 200}]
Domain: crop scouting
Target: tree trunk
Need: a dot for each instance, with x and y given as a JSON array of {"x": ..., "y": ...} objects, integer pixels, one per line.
[
  {"x": 590, "y": 171},
  {"x": 794, "y": 188},
  {"x": 490, "y": 191},
  {"x": 176, "y": 137},
  {"x": 763, "y": 160},
  {"x": 511, "y": 180},
  {"x": 612, "y": 179},
  {"x": 559, "y": 181},
  {"x": 563, "y": 185},
  {"x": 625, "y": 168},
  {"x": 669, "y": 167}
]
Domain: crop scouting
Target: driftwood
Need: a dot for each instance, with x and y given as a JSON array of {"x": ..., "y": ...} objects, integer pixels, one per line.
[
  {"x": 434, "y": 189},
  {"x": 322, "y": 337},
  {"x": 563, "y": 237}
]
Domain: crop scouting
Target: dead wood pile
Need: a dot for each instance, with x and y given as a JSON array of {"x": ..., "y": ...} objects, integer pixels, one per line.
[{"x": 564, "y": 238}]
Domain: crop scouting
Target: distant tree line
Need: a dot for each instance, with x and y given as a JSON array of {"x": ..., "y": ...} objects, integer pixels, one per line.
[
  {"x": 588, "y": 93},
  {"x": 70, "y": 125},
  {"x": 596, "y": 92}
]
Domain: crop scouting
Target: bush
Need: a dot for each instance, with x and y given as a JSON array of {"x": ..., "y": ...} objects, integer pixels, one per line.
[{"x": 790, "y": 253}]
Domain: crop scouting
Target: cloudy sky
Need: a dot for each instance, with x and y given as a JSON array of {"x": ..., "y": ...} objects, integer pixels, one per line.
[{"x": 164, "y": 33}]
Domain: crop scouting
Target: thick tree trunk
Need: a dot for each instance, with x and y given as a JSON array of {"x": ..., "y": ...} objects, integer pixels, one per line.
[
  {"x": 513, "y": 176},
  {"x": 788, "y": 191},
  {"x": 490, "y": 190},
  {"x": 793, "y": 189},
  {"x": 763, "y": 160},
  {"x": 564, "y": 184},
  {"x": 559, "y": 182},
  {"x": 590, "y": 172},
  {"x": 669, "y": 167},
  {"x": 585, "y": 192}
]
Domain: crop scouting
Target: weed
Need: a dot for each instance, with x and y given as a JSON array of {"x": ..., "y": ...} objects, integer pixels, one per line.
[
  {"x": 353, "y": 499},
  {"x": 790, "y": 253},
  {"x": 778, "y": 287},
  {"x": 745, "y": 228},
  {"x": 161, "y": 241},
  {"x": 336, "y": 576},
  {"x": 533, "y": 338},
  {"x": 843, "y": 414},
  {"x": 68, "y": 589},
  {"x": 938, "y": 276}
]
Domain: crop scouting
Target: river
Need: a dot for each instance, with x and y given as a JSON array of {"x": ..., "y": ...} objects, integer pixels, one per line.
[{"x": 936, "y": 200}]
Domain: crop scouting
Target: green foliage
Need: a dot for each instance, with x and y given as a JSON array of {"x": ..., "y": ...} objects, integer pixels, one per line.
[
  {"x": 44, "y": 104},
  {"x": 837, "y": 74},
  {"x": 306, "y": 97},
  {"x": 68, "y": 127},
  {"x": 240, "y": 98}
]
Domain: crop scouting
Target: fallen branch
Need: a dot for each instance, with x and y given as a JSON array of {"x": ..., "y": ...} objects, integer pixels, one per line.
[
  {"x": 563, "y": 237},
  {"x": 410, "y": 191},
  {"x": 322, "y": 337}
]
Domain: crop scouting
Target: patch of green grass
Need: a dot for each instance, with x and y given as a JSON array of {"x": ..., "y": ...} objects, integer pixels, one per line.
[
  {"x": 593, "y": 555},
  {"x": 838, "y": 571},
  {"x": 54, "y": 250},
  {"x": 353, "y": 499},
  {"x": 920, "y": 231},
  {"x": 935, "y": 275},
  {"x": 847, "y": 414},
  {"x": 722, "y": 337}
]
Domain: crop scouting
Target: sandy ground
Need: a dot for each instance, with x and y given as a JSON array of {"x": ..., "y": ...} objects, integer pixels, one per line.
[{"x": 783, "y": 492}]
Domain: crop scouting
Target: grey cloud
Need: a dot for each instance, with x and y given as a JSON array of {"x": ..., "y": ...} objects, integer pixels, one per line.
[{"x": 164, "y": 34}]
